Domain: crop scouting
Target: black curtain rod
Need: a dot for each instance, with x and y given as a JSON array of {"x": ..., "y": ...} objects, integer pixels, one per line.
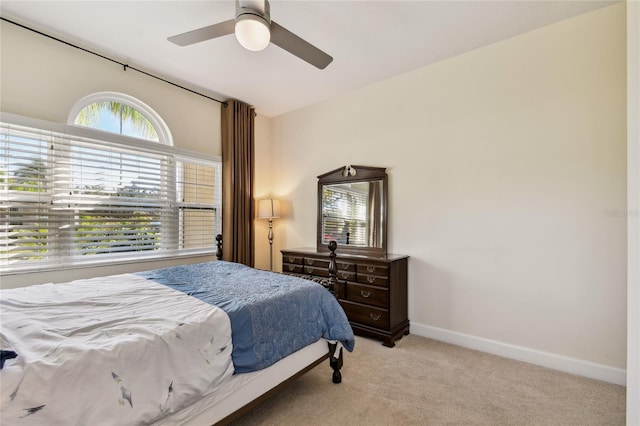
[{"x": 124, "y": 66}]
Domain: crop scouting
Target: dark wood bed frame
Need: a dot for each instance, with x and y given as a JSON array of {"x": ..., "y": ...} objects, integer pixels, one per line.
[{"x": 335, "y": 362}]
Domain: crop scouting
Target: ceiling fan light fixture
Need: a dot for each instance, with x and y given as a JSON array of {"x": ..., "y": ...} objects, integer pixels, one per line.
[{"x": 252, "y": 32}]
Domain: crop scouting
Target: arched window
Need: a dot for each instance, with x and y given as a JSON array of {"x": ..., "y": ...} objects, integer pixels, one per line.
[{"x": 121, "y": 114}]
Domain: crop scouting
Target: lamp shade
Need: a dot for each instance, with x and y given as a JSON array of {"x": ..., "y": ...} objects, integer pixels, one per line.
[
  {"x": 252, "y": 32},
  {"x": 268, "y": 208}
]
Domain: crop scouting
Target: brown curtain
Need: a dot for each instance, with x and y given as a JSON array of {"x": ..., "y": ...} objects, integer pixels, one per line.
[{"x": 237, "y": 182}]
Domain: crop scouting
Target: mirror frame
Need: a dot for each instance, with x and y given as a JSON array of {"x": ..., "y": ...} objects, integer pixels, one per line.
[{"x": 362, "y": 174}]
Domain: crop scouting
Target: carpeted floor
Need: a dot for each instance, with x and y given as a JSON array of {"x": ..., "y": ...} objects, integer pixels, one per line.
[{"x": 426, "y": 382}]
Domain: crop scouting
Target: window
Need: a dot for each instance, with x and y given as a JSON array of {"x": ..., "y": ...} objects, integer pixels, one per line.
[
  {"x": 121, "y": 114},
  {"x": 117, "y": 118},
  {"x": 67, "y": 199}
]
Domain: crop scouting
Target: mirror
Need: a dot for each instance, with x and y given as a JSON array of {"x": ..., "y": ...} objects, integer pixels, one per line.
[{"x": 352, "y": 209}]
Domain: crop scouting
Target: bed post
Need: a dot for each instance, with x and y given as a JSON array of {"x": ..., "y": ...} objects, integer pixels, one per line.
[
  {"x": 333, "y": 269},
  {"x": 335, "y": 362},
  {"x": 332, "y": 285},
  {"x": 219, "y": 246}
]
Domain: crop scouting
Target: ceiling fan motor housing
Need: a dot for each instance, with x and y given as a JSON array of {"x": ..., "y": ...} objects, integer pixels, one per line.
[{"x": 253, "y": 8}]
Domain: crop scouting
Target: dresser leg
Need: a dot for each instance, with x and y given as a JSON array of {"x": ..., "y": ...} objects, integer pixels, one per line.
[{"x": 390, "y": 341}]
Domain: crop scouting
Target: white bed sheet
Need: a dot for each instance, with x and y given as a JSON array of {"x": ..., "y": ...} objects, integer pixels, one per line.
[{"x": 71, "y": 340}]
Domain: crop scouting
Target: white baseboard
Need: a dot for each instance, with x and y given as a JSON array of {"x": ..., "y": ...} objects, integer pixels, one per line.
[{"x": 545, "y": 359}]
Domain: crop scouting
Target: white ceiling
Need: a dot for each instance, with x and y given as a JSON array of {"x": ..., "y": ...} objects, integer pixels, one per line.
[{"x": 369, "y": 40}]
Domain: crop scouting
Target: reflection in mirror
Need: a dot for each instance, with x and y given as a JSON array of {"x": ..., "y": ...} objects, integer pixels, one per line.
[
  {"x": 352, "y": 210},
  {"x": 351, "y": 213}
]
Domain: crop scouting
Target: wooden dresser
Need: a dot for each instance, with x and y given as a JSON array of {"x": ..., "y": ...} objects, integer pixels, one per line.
[{"x": 371, "y": 290}]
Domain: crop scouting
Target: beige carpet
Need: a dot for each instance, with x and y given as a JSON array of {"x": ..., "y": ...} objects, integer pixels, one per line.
[{"x": 426, "y": 382}]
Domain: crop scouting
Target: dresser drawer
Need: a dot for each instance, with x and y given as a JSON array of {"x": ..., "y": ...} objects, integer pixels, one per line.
[
  {"x": 289, "y": 258},
  {"x": 346, "y": 275},
  {"x": 368, "y": 315},
  {"x": 373, "y": 269},
  {"x": 317, "y": 271},
  {"x": 368, "y": 295},
  {"x": 291, "y": 267},
  {"x": 346, "y": 266},
  {"x": 315, "y": 262},
  {"x": 373, "y": 279}
]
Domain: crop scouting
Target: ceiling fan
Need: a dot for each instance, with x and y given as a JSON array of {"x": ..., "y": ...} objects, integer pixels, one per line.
[{"x": 254, "y": 30}]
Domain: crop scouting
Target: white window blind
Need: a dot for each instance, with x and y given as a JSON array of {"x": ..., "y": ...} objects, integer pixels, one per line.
[
  {"x": 67, "y": 200},
  {"x": 345, "y": 212}
]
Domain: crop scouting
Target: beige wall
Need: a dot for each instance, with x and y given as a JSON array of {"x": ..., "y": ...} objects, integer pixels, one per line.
[
  {"x": 42, "y": 78},
  {"x": 507, "y": 174},
  {"x": 263, "y": 188}
]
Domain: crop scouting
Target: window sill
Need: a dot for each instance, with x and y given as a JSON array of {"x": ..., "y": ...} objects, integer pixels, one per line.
[{"x": 125, "y": 266}]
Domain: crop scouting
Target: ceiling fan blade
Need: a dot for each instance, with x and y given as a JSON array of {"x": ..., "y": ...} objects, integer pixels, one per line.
[
  {"x": 205, "y": 33},
  {"x": 293, "y": 44}
]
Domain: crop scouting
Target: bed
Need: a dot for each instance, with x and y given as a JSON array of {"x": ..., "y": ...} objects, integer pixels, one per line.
[{"x": 190, "y": 344}]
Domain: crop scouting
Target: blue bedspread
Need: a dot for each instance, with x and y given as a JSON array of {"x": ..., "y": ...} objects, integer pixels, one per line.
[{"x": 272, "y": 315}]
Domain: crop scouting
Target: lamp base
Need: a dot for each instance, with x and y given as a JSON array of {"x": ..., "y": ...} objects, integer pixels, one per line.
[{"x": 270, "y": 237}]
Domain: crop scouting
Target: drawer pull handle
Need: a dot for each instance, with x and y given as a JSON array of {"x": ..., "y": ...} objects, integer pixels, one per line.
[
  {"x": 343, "y": 265},
  {"x": 291, "y": 267},
  {"x": 292, "y": 259},
  {"x": 375, "y": 317},
  {"x": 310, "y": 262},
  {"x": 371, "y": 268},
  {"x": 365, "y": 293},
  {"x": 371, "y": 280},
  {"x": 345, "y": 275}
]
